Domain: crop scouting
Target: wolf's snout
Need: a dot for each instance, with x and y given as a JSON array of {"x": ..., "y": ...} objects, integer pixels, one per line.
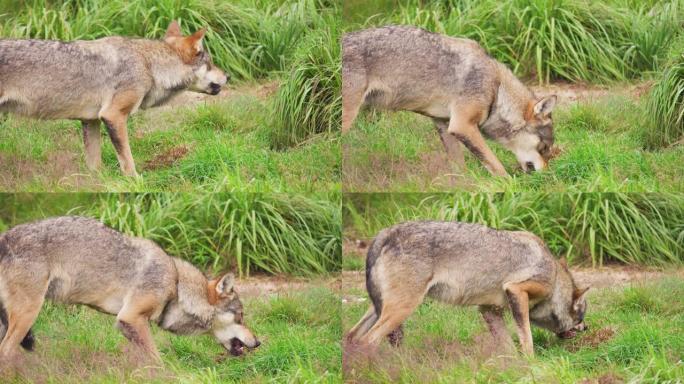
[
  {"x": 257, "y": 344},
  {"x": 215, "y": 88}
]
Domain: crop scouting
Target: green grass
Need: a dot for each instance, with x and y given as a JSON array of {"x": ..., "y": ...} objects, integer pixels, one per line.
[
  {"x": 242, "y": 232},
  {"x": 225, "y": 147},
  {"x": 601, "y": 150},
  {"x": 588, "y": 228},
  {"x": 449, "y": 344},
  {"x": 300, "y": 333},
  {"x": 665, "y": 107}
]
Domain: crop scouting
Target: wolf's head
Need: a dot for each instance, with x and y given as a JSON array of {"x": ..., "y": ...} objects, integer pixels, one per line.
[
  {"x": 227, "y": 326},
  {"x": 208, "y": 77},
  {"x": 532, "y": 144},
  {"x": 564, "y": 312}
]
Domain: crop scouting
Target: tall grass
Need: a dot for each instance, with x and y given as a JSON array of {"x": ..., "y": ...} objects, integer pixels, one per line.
[
  {"x": 665, "y": 107},
  {"x": 593, "y": 228},
  {"x": 309, "y": 100},
  {"x": 245, "y": 232},
  {"x": 576, "y": 40}
]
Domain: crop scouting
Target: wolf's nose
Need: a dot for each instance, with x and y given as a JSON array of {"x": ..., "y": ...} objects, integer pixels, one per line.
[{"x": 258, "y": 343}]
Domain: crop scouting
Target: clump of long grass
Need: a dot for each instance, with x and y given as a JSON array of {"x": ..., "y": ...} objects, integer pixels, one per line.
[
  {"x": 665, "y": 107},
  {"x": 309, "y": 100},
  {"x": 272, "y": 233},
  {"x": 585, "y": 227}
]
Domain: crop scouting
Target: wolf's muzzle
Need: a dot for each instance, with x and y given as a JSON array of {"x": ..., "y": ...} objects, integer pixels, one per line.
[{"x": 215, "y": 88}]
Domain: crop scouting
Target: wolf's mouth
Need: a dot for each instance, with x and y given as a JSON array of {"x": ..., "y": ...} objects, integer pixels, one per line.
[
  {"x": 236, "y": 347},
  {"x": 569, "y": 334}
]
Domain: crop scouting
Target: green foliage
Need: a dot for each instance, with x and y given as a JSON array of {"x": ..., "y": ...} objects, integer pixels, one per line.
[
  {"x": 665, "y": 107},
  {"x": 595, "y": 228},
  {"x": 309, "y": 100}
]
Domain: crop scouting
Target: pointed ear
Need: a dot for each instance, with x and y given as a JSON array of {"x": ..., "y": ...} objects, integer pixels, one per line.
[
  {"x": 173, "y": 30},
  {"x": 578, "y": 293},
  {"x": 544, "y": 106},
  {"x": 563, "y": 261},
  {"x": 195, "y": 40},
  {"x": 224, "y": 286}
]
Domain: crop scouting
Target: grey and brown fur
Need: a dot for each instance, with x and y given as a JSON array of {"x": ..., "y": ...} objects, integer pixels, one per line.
[
  {"x": 468, "y": 264},
  {"x": 103, "y": 80},
  {"x": 467, "y": 93},
  {"x": 77, "y": 260}
]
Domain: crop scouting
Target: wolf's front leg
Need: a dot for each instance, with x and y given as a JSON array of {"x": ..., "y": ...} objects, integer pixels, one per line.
[
  {"x": 115, "y": 118},
  {"x": 518, "y": 299},
  {"x": 137, "y": 331},
  {"x": 464, "y": 126}
]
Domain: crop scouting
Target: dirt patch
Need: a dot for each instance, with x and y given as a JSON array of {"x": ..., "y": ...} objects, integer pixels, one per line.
[
  {"x": 591, "y": 339},
  {"x": 166, "y": 158},
  {"x": 60, "y": 167},
  {"x": 256, "y": 286},
  {"x": 570, "y": 93},
  {"x": 432, "y": 169},
  {"x": 608, "y": 378}
]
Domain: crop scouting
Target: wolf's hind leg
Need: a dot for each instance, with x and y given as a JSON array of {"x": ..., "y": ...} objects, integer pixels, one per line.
[
  {"x": 464, "y": 126},
  {"x": 92, "y": 141},
  {"x": 354, "y": 85},
  {"x": 22, "y": 311},
  {"x": 394, "y": 312},
  {"x": 453, "y": 147},
  {"x": 366, "y": 322}
]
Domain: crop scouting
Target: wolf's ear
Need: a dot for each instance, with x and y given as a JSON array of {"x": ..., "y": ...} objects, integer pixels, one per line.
[
  {"x": 173, "y": 30},
  {"x": 578, "y": 294},
  {"x": 195, "y": 40},
  {"x": 225, "y": 285},
  {"x": 563, "y": 261},
  {"x": 544, "y": 106}
]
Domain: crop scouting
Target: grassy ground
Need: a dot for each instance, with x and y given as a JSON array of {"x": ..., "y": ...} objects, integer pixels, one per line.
[
  {"x": 300, "y": 332},
  {"x": 219, "y": 146},
  {"x": 634, "y": 336},
  {"x": 601, "y": 146}
]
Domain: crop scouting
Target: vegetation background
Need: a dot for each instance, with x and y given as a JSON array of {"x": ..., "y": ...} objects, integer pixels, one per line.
[
  {"x": 275, "y": 129},
  {"x": 628, "y": 137}
]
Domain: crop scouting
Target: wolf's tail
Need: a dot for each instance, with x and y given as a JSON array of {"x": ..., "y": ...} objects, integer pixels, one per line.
[{"x": 374, "y": 252}]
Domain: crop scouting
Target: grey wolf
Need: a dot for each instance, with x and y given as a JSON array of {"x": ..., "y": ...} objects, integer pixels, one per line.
[
  {"x": 77, "y": 260},
  {"x": 467, "y": 93},
  {"x": 103, "y": 80},
  {"x": 468, "y": 264}
]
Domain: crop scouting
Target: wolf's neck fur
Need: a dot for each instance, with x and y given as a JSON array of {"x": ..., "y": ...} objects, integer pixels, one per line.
[
  {"x": 170, "y": 74},
  {"x": 512, "y": 100},
  {"x": 189, "y": 312}
]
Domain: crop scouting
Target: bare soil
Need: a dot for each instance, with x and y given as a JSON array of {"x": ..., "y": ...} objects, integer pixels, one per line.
[{"x": 261, "y": 285}]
